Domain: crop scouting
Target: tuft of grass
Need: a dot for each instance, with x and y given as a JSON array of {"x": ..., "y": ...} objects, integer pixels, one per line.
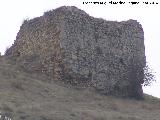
[{"x": 17, "y": 84}]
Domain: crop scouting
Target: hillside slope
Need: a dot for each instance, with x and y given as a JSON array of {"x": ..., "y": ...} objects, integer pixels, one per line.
[{"x": 26, "y": 96}]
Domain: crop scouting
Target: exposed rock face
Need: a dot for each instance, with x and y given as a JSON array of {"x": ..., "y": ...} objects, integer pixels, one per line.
[{"x": 68, "y": 44}]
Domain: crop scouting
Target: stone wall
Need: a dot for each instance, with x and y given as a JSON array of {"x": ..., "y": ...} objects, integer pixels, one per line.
[{"x": 69, "y": 45}]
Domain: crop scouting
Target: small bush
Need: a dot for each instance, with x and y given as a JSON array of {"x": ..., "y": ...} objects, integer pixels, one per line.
[
  {"x": 25, "y": 20},
  {"x": 7, "y": 51},
  {"x": 149, "y": 76}
]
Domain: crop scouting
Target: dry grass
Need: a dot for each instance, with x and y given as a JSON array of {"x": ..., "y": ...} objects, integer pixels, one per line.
[{"x": 29, "y": 97}]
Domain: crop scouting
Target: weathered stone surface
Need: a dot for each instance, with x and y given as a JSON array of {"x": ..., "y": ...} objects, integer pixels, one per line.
[{"x": 68, "y": 44}]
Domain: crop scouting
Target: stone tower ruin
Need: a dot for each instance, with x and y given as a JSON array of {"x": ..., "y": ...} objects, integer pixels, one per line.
[{"x": 69, "y": 45}]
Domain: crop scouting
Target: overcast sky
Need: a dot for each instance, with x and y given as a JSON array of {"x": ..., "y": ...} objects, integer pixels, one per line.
[{"x": 13, "y": 12}]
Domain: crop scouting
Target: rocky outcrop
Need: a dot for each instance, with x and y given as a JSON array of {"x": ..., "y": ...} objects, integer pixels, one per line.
[{"x": 67, "y": 44}]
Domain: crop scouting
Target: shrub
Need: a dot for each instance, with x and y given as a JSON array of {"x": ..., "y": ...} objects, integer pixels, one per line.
[
  {"x": 25, "y": 20},
  {"x": 149, "y": 76},
  {"x": 7, "y": 51}
]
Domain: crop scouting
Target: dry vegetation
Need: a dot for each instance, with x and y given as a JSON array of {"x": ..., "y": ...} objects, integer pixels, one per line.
[{"x": 27, "y": 96}]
